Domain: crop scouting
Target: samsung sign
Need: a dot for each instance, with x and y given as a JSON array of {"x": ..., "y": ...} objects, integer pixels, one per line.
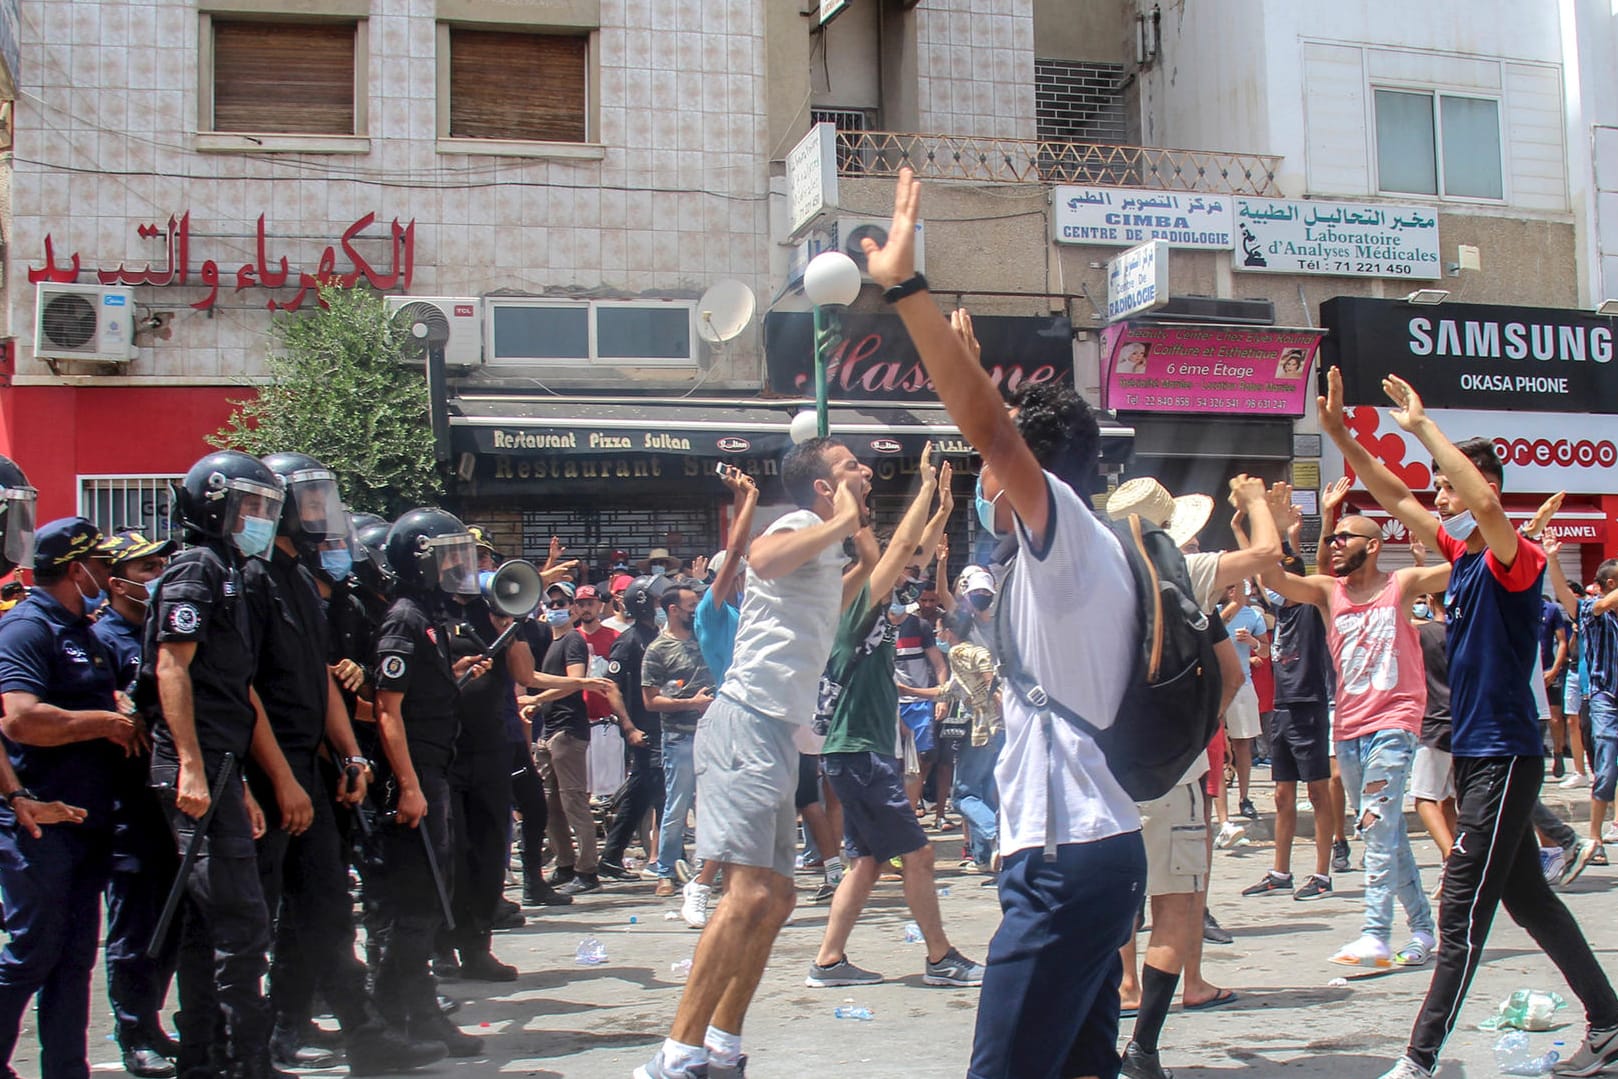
[{"x": 1474, "y": 356}]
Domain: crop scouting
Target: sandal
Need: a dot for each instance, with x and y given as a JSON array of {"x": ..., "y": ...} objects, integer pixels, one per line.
[
  {"x": 1218, "y": 1000},
  {"x": 943, "y": 824}
]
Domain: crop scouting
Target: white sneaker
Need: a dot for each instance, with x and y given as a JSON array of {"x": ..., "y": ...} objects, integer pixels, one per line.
[
  {"x": 1574, "y": 779},
  {"x": 1553, "y": 861},
  {"x": 1609, "y": 834},
  {"x": 1406, "y": 1068},
  {"x": 1365, "y": 952},
  {"x": 694, "y": 907},
  {"x": 1229, "y": 833}
]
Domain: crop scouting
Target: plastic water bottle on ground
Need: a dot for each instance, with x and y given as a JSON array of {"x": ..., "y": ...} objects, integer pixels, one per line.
[
  {"x": 862, "y": 1014},
  {"x": 681, "y": 969},
  {"x": 943, "y": 893},
  {"x": 591, "y": 953},
  {"x": 913, "y": 933},
  {"x": 1515, "y": 1056},
  {"x": 1526, "y": 1009}
]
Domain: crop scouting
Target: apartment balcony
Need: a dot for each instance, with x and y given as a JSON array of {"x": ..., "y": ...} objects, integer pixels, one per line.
[{"x": 1028, "y": 161}]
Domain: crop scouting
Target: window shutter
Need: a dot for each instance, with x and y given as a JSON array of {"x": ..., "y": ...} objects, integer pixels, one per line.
[
  {"x": 506, "y": 85},
  {"x": 284, "y": 78}
]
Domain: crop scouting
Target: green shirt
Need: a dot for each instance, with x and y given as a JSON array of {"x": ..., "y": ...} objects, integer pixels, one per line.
[{"x": 866, "y": 717}]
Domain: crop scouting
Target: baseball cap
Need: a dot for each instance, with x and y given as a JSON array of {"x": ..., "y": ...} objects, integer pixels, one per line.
[
  {"x": 480, "y": 536},
  {"x": 564, "y": 587},
  {"x": 64, "y": 541},
  {"x": 586, "y": 591},
  {"x": 619, "y": 583},
  {"x": 976, "y": 579},
  {"x": 129, "y": 545}
]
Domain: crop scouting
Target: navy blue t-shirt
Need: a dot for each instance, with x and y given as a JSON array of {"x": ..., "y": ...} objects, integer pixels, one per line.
[
  {"x": 1551, "y": 620},
  {"x": 122, "y": 640},
  {"x": 49, "y": 652},
  {"x": 1494, "y": 619}
]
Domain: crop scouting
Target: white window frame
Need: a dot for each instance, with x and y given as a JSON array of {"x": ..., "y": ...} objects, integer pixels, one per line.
[
  {"x": 1436, "y": 93},
  {"x": 142, "y": 480},
  {"x": 594, "y": 307}
]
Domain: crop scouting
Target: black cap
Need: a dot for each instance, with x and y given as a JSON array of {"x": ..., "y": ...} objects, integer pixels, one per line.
[{"x": 60, "y": 543}]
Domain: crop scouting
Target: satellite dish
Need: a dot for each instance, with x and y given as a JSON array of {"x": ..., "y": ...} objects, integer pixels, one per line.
[{"x": 724, "y": 311}]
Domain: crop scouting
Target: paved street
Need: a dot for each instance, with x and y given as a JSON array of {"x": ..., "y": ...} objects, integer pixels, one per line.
[{"x": 565, "y": 1020}]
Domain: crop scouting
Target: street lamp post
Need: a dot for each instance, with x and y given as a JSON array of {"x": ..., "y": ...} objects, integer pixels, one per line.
[{"x": 831, "y": 281}]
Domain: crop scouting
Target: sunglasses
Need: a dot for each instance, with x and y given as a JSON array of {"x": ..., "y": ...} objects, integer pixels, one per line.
[
  {"x": 1342, "y": 538},
  {"x": 558, "y": 604}
]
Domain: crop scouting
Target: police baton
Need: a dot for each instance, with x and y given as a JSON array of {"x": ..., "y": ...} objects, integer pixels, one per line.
[
  {"x": 353, "y": 773},
  {"x": 193, "y": 846},
  {"x": 438, "y": 877}
]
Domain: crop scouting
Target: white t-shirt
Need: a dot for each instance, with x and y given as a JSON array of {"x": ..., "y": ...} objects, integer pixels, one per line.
[
  {"x": 785, "y": 632},
  {"x": 1072, "y": 614}
]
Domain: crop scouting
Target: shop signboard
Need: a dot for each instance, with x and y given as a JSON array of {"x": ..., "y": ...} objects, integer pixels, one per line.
[
  {"x": 1338, "y": 239},
  {"x": 876, "y": 361},
  {"x": 1177, "y": 367},
  {"x": 1542, "y": 451},
  {"x": 1124, "y": 216},
  {"x": 1482, "y": 357},
  {"x": 1138, "y": 280}
]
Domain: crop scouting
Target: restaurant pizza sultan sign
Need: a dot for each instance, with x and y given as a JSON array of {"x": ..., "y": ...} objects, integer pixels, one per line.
[{"x": 384, "y": 259}]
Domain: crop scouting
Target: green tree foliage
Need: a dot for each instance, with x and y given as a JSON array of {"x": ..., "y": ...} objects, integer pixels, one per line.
[{"x": 339, "y": 393}]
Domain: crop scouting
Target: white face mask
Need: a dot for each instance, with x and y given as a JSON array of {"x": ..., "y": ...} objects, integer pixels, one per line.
[{"x": 1461, "y": 525}]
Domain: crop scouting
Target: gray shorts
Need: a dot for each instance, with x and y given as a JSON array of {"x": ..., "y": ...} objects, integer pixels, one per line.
[{"x": 747, "y": 777}]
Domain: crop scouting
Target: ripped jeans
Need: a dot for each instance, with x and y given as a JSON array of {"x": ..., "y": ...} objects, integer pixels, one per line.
[{"x": 1376, "y": 770}]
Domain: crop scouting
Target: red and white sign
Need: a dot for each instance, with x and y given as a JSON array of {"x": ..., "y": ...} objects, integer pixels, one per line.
[
  {"x": 1543, "y": 452},
  {"x": 1575, "y": 528}
]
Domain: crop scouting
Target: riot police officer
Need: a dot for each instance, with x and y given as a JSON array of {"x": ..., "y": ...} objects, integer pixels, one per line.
[
  {"x": 66, "y": 738},
  {"x": 433, "y": 557},
  {"x": 143, "y": 861},
  {"x": 199, "y": 654},
  {"x": 306, "y": 878}
]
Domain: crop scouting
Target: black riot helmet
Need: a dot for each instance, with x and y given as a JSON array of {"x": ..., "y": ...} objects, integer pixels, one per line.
[
  {"x": 640, "y": 598},
  {"x": 373, "y": 571},
  {"x": 431, "y": 550},
  {"x": 17, "y": 499},
  {"x": 313, "y": 516},
  {"x": 231, "y": 497}
]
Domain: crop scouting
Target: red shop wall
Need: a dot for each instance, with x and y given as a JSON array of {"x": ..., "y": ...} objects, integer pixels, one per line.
[{"x": 59, "y": 433}]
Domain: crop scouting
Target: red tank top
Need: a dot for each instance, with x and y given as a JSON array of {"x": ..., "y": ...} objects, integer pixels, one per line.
[{"x": 1381, "y": 683}]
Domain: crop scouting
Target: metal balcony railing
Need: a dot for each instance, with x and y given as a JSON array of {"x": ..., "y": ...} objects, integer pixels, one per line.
[{"x": 1021, "y": 161}]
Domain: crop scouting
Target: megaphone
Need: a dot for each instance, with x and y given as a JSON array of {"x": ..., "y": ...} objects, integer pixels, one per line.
[{"x": 513, "y": 590}]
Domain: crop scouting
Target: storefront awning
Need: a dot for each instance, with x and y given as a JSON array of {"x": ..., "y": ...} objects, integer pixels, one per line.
[{"x": 524, "y": 425}]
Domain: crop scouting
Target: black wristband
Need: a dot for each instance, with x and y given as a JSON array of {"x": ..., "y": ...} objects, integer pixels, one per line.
[
  {"x": 20, "y": 792},
  {"x": 914, "y": 283}
]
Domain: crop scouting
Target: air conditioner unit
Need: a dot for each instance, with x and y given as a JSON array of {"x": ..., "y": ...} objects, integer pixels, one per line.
[
  {"x": 84, "y": 322},
  {"x": 851, "y": 230},
  {"x": 454, "y": 323}
]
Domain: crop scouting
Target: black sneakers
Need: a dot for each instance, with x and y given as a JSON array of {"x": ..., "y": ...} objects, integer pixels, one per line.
[
  {"x": 1339, "y": 856},
  {"x": 1316, "y": 887},
  {"x": 1213, "y": 932},
  {"x": 1272, "y": 883}
]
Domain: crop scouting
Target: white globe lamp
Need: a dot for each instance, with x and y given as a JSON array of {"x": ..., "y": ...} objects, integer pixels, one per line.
[
  {"x": 831, "y": 280},
  {"x": 802, "y": 428}
]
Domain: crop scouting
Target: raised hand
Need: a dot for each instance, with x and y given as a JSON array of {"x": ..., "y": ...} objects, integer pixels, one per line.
[
  {"x": 1543, "y": 515},
  {"x": 1552, "y": 544},
  {"x": 927, "y": 470},
  {"x": 1330, "y": 407},
  {"x": 1332, "y": 497},
  {"x": 961, "y": 323},
  {"x": 1408, "y": 411},
  {"x": 895, "y": 261},
  {"x": 554, "y": 555},
  {"x": 739, "y": 482},
  {"x": 946, "y": 496},
  {"x": 1246, "y": 490}
]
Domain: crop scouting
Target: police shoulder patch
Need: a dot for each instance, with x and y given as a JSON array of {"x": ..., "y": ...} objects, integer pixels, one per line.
[
  {"x": 614, "y": 667},
  {"x": 184, "y": 618},
  {"x": 393, "y": 667}
]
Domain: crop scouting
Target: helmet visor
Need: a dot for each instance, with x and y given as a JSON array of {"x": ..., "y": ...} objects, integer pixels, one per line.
[
  {"x": 252, "y": 513},
  {"x": 455, "y": 563},
  {"x": 17, "y": 541},
  {"x": 319, "y": 507}
]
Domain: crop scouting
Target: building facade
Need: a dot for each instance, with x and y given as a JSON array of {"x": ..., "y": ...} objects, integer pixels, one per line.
[{"x": 562, "y": 181}]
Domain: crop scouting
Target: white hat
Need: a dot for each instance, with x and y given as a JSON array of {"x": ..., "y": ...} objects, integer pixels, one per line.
[
  {"x": 659, "y": 557},
  {"x": 976, "y": 579},
  {"x": 1182, "y": 518},
  {"x": 717, "y": 562}
]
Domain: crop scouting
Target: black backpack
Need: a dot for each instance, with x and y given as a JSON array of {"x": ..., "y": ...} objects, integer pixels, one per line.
[{"x": 1170, "y": 710}]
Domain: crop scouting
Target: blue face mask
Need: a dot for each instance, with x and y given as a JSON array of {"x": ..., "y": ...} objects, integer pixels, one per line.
[
  {"x": 985, "y": 509},
  {"x": 337, "y": 563},
  {"x": 897, "y": 609},
  {"x": 1461, "y": 526},
  {"x": 558, "y": 617},
  {"x": 661, "y": 618},
  {"x": 1421, "y": 610},
  {"x": 255, "y": 536},
  {"x": 659, "y": 570}
]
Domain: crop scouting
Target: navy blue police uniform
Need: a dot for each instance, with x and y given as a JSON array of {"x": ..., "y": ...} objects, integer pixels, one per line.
[{"x": 52, "y": 885}]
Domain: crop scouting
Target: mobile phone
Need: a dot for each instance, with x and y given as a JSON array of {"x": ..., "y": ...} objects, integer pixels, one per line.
[{"x": 719, "y": 469}]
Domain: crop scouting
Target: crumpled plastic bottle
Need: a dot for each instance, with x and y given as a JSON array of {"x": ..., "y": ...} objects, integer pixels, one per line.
[
  {"x": 681, "y": 969},
  {"x": 591, "y": 953},
  {"x": 862, "y": 1014},
  {"x": 1515, "y": 1056},
  {"x": 913, "y": 933},
  {"x": 1526, "y": 1009}
]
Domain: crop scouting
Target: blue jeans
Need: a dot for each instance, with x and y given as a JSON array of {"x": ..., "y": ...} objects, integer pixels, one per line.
[
  {"x": 679, "y": 792},
  {"x": 976, "y": 798},
  {"x": 1376, "y": 770},
  {"x": 1603, "y": 746}
]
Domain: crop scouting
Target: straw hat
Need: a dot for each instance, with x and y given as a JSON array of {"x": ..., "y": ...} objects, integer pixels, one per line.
[{"x": 1182, "y": 518}]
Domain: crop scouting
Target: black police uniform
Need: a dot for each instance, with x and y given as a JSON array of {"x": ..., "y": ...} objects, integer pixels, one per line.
[
  {"x": 52, "y": 885},
  {"x": 643, "y": 787},
  {"x": 305, "y": 876},
  {"x": 226, "y": 933},
  {"x": 412, "y": 658},
  {"x": 480, "y": 783},
  {"x": 528, "y": 791},
  {"x": 143, "y": 865}
]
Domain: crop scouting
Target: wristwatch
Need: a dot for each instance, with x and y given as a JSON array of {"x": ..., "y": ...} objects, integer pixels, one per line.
[
  {"x": 21, "y": 792},
  {"x": 912, "y": 284},
  {"x": 363, "y": 762}
]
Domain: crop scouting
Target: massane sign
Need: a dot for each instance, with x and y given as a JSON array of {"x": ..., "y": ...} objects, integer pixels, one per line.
[{"x": 1481, "y": 357}]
